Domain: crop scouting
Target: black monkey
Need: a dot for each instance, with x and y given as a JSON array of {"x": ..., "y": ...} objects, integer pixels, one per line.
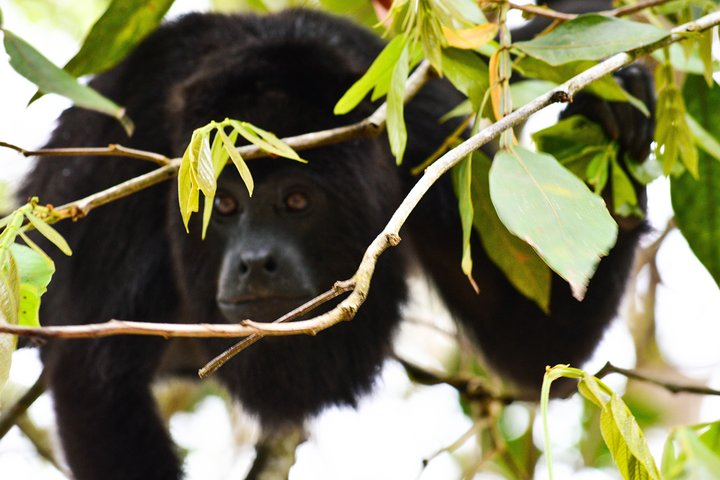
[{"x": 305, "y": 227}]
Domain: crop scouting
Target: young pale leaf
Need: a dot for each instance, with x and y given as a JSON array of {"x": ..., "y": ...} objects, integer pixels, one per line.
[
  {"x": 264, "y": 139},
  {"x": 9, "y": 288},
  {"x": 397, "y": 133},
  {"x": 205, "y": 167},
  {"x": 626, "y": 441},
  {"x": 517, "y": 260},
  {"x": 672, "y": 132},
  {"x": 590, "y": 37},
  {"x": 117, "y": 31},
  {"x": 694, "y": 201},
  {"x": 470, "y": 38},
  {"x": 624, "y": 197},
  {"x": 379, "y": 72},
  {"x": 462, "y": 183},
  {"x": 9, "y": 307},
  {"x": 50, "y": 233},
  {"x": 29, "y": 63},
  {"x": 541, "y": 202},
  {"x": 36, "y": 271},
  {"x": 188, "y": 192},
  {"x": 237, "y": 160}
]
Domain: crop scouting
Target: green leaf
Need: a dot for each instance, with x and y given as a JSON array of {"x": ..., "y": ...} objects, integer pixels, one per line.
[
  {"x": 36, "y": 270},
  {"x": 574, "y": 141},
  {"x": 672, "y": 132},
  {"x": 123, "y": 25},
  {"x": 590, "y": 37},
  {"x": 552, "y": 210},
  {"x": 517, "y": 260},
  {"x": 9, "y": 289},
  {"x": 462, "y": 177},
  {"x": 695, "y": 202},
  {"x": 237, "y": 160},
  {"x": 689, "y": 455},
  {"x": 526, "y": 91},
  {"x": 626, "y": 441},
  {"x": 703, "y": 139},
  {"x": 50, "y": 233},
  {"x": 397, "y": 133},
  {"x": 467, "y": 72},
  {"x": 624, "y": 197},
  {"x": 188, "y": 192},
  {"x": 267, "y": 141},
  {"x": 29, "y": 63},
  {"x": 377, "y": 75}
]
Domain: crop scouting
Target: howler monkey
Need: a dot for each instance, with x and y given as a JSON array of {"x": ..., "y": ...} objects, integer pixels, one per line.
[{"x": 305, "y": 227}]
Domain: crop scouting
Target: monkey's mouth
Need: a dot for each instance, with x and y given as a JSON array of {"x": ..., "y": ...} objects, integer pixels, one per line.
[{"x": 259, "y": 308}]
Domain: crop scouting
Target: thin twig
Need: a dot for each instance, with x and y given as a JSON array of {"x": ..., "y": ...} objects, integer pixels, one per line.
[
  {"x": 564, "y": 17},
  {"x": 81, "y": 208},
  {"x": 112, "y": 150},
  {"x": 338, "y": 289},
  {"x": 669, "y": 386},
  {"x": 630, "y": 9},
  {"x": 539, "y": 11}
]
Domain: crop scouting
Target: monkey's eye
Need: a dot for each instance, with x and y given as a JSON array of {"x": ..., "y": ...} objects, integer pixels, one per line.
[
  {"x": 297, "y": 201},
  {"x": 225, "y": 204}
]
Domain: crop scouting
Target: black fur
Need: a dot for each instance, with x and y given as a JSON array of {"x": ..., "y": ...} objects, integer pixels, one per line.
[{"x": 134, "y": 261}]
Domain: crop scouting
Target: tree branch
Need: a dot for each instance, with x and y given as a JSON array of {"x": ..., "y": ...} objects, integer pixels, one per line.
[
  {"x": 387, "y": 238},
  {"x": 669, "y": 386},
  {"x": 564, "y": 17},
  {"x": 112, "y": 150}
]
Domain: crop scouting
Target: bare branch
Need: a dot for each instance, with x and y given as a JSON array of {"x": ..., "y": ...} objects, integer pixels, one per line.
[
  {"x": 630, "y": 9},
  {"x": 669, "y": 386},
  {"x": 112, "y": 150},
  {"x": 539, "y": 11},
  {"x": 564, "y": 17},
  {"x": 338, "y": 289}
]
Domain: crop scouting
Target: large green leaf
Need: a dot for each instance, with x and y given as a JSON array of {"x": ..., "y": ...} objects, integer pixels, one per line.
[
  {"x": 30, "y": 63},
  {"x": 697, "y": 202},
  {"x": 551, "y": 209},
  {"x": 518, "y": 261},
  {"x": 117, "y": 31},
  {"x": 590, "y": 37}
]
